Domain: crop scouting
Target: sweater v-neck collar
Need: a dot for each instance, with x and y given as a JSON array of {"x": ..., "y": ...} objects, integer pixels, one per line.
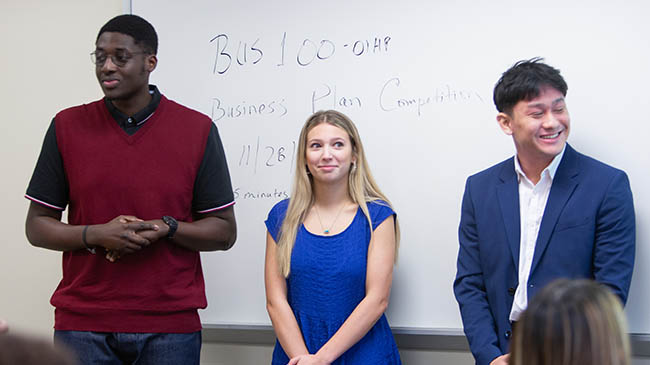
[{"x": 142, "y": 129}]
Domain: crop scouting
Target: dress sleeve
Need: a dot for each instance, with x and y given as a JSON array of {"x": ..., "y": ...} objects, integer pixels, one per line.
[
  {"x": 275, "y": 218},
  {"x": 48, "y": 185},
  {"x": 379, "y": 212}
]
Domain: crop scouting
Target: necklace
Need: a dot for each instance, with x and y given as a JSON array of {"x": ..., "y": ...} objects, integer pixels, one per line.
[{"x": 327, "y": 230}]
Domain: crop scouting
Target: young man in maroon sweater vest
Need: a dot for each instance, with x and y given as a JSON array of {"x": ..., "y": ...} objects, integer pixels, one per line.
[{"x": 147, "y": 187}]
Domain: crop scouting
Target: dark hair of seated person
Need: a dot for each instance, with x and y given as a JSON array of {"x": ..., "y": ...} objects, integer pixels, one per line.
[{"x": 25, "y": 350}]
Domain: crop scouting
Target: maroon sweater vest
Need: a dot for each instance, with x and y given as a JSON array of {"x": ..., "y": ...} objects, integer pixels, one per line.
[{"x": 148, "y": 175}]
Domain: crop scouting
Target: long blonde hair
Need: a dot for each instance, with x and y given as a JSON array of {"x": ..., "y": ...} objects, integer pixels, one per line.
[
  {"x": 361, "y": 185},
  {"x": 572, "y": 322}
]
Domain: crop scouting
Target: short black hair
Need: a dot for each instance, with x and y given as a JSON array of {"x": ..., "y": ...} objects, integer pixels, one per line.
[
  {"x": 523, "y": 82},
  {"x": 141, "y": 30}
]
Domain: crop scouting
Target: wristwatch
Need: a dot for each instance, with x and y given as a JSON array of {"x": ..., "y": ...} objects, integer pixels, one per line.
[{"x": 173, "y": 225}]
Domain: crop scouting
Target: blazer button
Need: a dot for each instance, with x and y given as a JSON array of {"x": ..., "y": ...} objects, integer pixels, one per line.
[
  {"x": 511, "y": 291},
  {"x": 508, "y": 334}
]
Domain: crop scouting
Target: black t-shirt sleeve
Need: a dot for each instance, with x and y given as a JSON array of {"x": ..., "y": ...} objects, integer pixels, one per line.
[
  {"x": 48, "y": 185},
  {"x": 212, "y": 188}
]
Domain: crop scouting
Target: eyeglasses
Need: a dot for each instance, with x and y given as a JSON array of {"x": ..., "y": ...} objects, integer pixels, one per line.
[{"x": 120, "y": 58}]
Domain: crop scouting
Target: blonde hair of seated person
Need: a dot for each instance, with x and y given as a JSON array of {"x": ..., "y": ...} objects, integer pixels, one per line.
[{"x": 572, "y": 322}]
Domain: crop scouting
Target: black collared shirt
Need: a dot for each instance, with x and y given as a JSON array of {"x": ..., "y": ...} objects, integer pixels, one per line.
[{"x": 131, "y": 124}]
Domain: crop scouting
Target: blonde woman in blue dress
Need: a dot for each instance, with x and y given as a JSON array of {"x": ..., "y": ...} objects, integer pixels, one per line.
[{"x": 330, "y": 252}]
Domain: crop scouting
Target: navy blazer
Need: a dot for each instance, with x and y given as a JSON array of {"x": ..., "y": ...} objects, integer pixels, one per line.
[{"x": 587, "y": 231}]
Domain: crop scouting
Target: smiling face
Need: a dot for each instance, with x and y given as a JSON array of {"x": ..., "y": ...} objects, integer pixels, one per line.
[
  {"x": 539, "y": 127},
  {"x": 329, "y": 153},
  {"x": 129, "y": 82}
]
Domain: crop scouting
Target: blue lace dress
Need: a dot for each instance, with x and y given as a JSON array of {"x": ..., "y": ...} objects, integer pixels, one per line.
[{"x": 327, "y": 282}]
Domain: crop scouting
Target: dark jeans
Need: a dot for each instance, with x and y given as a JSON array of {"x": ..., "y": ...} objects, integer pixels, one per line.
[{"x": 132, "y": 348}]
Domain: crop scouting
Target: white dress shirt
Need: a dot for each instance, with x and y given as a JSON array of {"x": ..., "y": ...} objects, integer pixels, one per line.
[{"x": 532, "y": 201}]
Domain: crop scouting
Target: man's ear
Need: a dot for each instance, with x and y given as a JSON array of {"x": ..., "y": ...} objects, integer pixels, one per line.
[
  {"x": 151, "y": 62},
  {"x": 505, "y": 122}
]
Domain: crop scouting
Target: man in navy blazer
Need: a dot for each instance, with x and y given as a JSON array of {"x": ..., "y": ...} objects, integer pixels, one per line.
[{"x": 546, "y": 213}]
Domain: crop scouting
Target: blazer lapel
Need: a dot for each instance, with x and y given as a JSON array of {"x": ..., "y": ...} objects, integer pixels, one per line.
[
  {"x": 508, "y": 195},
  {"x": 563, "y": 186}
]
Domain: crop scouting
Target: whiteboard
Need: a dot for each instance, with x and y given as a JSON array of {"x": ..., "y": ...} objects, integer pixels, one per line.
[{"x": 417, "y": 79}]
